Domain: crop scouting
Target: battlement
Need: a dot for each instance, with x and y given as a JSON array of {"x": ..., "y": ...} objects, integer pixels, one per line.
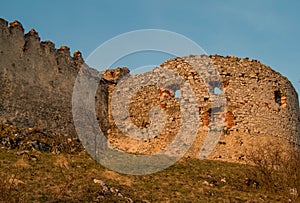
[{"x": 14, "y": 32}]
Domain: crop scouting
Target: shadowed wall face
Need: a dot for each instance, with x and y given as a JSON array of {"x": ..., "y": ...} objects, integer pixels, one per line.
[{"x": 36, "y": 80}]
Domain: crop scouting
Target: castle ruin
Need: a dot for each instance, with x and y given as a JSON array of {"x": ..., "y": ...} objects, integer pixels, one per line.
[{"x": 37, "y": 84}]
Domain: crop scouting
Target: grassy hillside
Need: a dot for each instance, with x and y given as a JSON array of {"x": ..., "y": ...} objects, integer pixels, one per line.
[{"x": 28, "y": 176}]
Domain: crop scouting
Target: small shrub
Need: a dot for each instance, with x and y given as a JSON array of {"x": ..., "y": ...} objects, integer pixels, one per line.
[{"x": 277, "y": 169}]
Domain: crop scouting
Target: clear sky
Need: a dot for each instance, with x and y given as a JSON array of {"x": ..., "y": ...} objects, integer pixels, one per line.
[{"x": 266, "y": 30}]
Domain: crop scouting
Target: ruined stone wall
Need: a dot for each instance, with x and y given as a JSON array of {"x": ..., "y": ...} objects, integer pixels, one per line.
[
  {"x": 261, "y": 106},
  {"x": 261, "y": 100},
  {"x": 36, "y": 80},
  {"x": 36, "y": 86}
]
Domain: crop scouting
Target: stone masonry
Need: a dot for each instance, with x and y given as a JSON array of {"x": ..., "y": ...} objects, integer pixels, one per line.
[
  {"x": 261, "y": 106},
  {"x": 37, "y": 80}
]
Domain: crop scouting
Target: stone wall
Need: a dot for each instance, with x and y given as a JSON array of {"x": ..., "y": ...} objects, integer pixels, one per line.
[
  {"x": 261, "y": 100},
  {"x": 36, "y": 80},
  {"x": 261, "y": 106}
]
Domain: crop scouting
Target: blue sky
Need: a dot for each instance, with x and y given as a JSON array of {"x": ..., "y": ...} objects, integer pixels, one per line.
[{"x": 266, "y": 30}]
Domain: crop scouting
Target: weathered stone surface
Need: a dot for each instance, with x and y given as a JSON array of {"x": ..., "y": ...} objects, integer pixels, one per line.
[
  {"x": 33, "y": 139},
  {"x": 36, "y": 86},
  {"x": 36, "y": 81},
  {"x": 260, "y": 104}
]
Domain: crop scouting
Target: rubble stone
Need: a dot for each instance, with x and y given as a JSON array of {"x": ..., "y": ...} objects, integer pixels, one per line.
[
  {"x": 260, "y": 104},
  {"x": 37, "y": 80}
]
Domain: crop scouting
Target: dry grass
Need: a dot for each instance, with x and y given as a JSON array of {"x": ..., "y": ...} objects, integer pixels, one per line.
[
  {"x": 70, "y": 178},
  {"x": 277, "y": 169}
]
